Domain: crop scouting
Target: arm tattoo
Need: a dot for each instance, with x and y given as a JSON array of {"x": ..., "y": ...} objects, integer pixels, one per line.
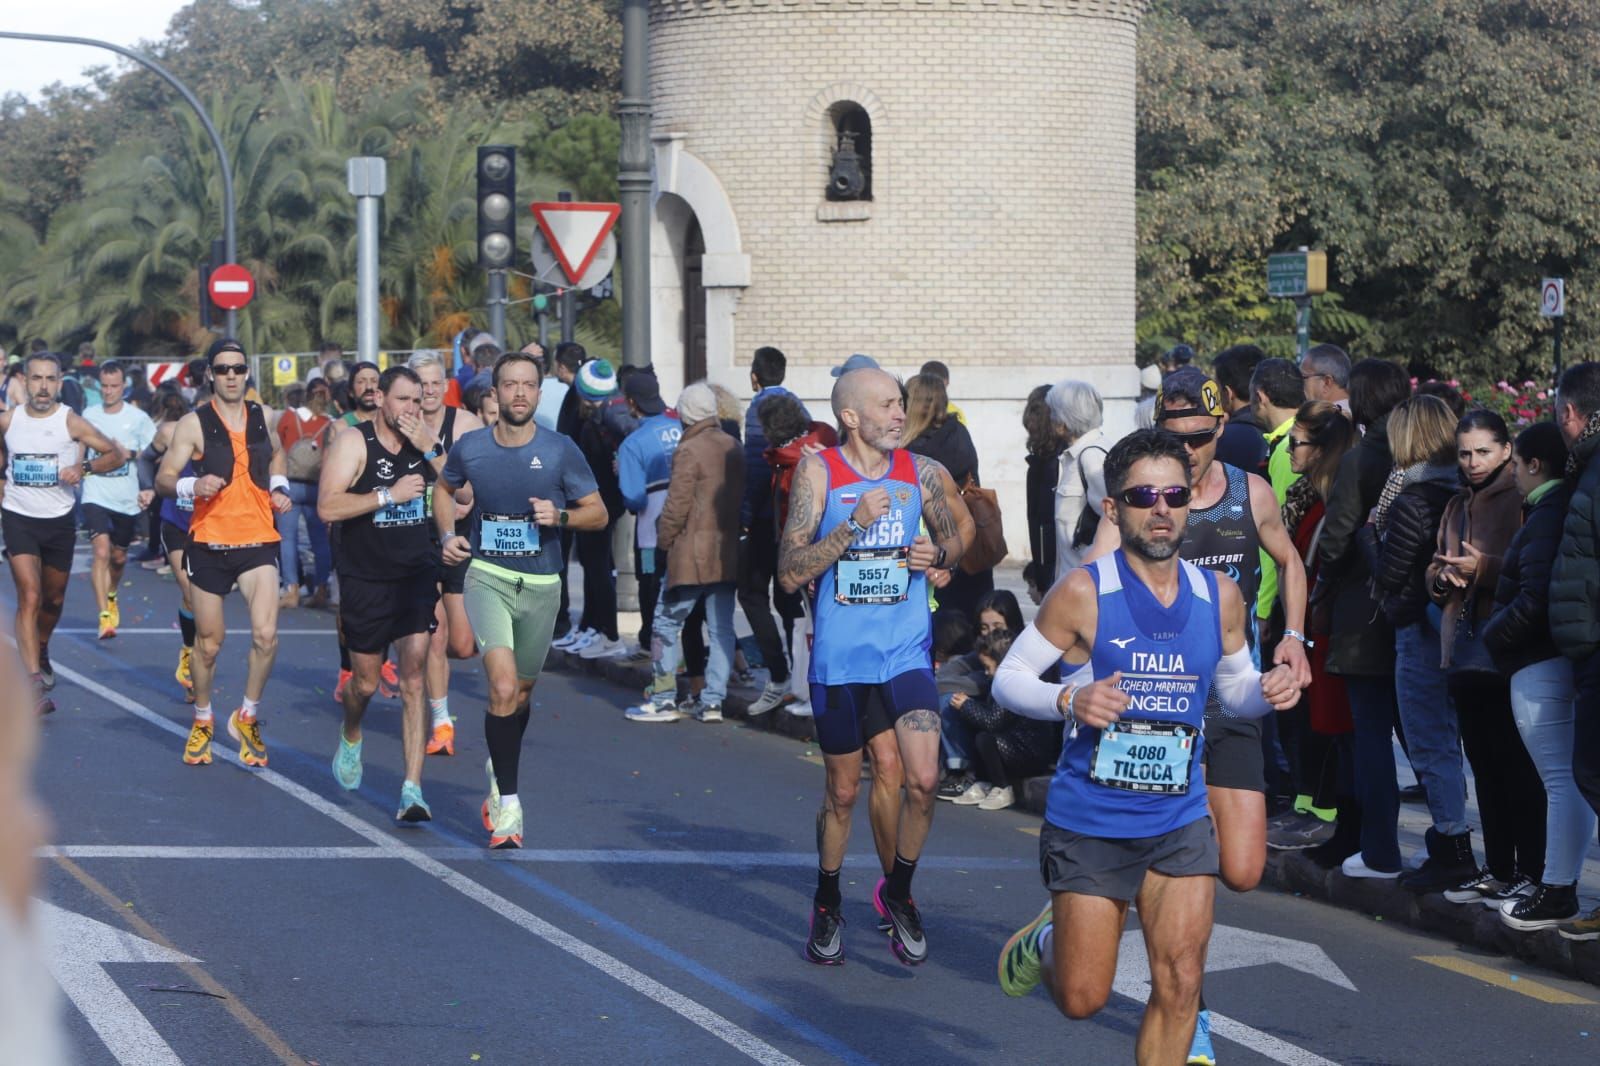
[
  {"x": 799, "y": 559},
  {"x": 936, "y": 507}
]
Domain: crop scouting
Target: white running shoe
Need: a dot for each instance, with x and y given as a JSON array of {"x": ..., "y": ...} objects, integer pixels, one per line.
[
  {"x": 574, "y": 640},
  {"x": 772, "y": 696},
  {"x": 998, "y": 799},
  {"x": 603, "y": 648},
  {"x": 649, "y": 712},
  {"x": 974, "y": 795}
]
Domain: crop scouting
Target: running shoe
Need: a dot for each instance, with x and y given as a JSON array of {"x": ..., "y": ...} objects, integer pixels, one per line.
[
  {"x": 709, "y": 712},
  {"x": 507, "y": 829},
  {"x": 603, "y": 648},
  {"x": 47, "y": 674},
  {"x": 1019, "y": 959},
  {"x": 910, "y": 946},
  {"x": 252, "y": 749},
  {"x": 42, "y": 704},
  {"x": 113, "y": 610},
  {"x": 108, "y": 628},
  {"x": 566, "y": 640},
  {"x": 443, "y": 741},
  {"x": 347, "y": 764},
  {"x": 185, "y": 671},
  {"x": 1200, "y": 1051},
  {"x": 650, "y": 711},
  {"x": 491, "y": 806},
  {"x": 825, "y": 941},
  {"x": 1585, "y": 928},
  {"x": 388, "y": 681},
  {"x": 197, "y": 749},
  {"x": 338, "y": 690},
  {"x": 413, "y": 808},
  {"x": 772, "y": 696}
]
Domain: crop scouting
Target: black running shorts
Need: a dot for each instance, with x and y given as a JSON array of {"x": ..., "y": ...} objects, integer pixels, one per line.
[
  {"x": 217, "y": 569},
  {"x": 847, "y": 716},
  {"x": 51, "y": 539},
  {"x": 1233, "y": 754},
  {"x": 173, "y": 539},
  {"x": 454, "y": 578},
  {"x": 1115, "y": 868},
  {"x": 119, "y": 527},
  {"x": 375, "y": 614}
]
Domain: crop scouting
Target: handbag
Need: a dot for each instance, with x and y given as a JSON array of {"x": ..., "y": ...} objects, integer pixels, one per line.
[
  {"x": 303, "y": 460},
  {"x": 988, "y": 546},
  {"x": 1089, "y": 518}
]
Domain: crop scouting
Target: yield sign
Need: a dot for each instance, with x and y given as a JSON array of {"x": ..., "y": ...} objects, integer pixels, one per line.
[
  {"x": 575, "y": 232},
  {"x": 231, "y": 286}
]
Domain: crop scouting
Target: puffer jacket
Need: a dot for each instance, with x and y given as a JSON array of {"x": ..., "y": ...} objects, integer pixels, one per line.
[
  {"x": 1518, "y": 633},
  {"x": 1361, "y": 640},
  {"x": 1575, "y": 578},
  {"x": 1400, "y": 559}
]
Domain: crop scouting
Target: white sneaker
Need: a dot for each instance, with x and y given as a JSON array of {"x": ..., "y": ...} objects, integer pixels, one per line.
[
  {"x": 582, "y": 641},
  {"x": 974, "y": 795},
  {"x": 561, "y": 642},
  {"x": 800, "y": 708},
  {"x": 998, "y": 799},
  {"x": 649, "y": 712},
  {"x": 709, "y": 712},
  {"x": 772, "y": 696},
  {"x": 603, "y": 648},
  {"x": 1355, "y": 867}
]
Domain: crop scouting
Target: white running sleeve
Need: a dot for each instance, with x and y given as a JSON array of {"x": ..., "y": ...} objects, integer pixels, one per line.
[
  {"x": 1238, "y": 684},
  {"x": 1017, "y": 687}
]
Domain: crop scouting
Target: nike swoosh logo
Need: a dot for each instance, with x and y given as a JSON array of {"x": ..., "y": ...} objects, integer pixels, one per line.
[
  {"x": 1124, "y": 642},
  {"x": 414, "y": 465}
]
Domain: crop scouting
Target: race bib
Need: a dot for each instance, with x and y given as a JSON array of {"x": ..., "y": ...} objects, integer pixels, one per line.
[
  {"x": 1144, "y": 756},
  {"x": 35, "y": 471},
  {"x": 121, "y": 471},
  {"x": 185, "y": 503},
  {"x": 505, "y": 535},
  {"x": 875, "y": 575},
  {"x": 410, "y": 513}
]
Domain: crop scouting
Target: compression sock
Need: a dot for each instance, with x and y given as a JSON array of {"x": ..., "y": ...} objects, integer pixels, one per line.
[
  {"x": 441, "y": 710},
  {"x": 504, "y": 736},
  {"x": 827, "y": 889},
  {"x": 202, "y": 714},
  {"x": 247, "y": 710},
  {"x": 898, "y": 887},
  {"x": 186, "y": 627},
  {"x": 523, "y": 716}
]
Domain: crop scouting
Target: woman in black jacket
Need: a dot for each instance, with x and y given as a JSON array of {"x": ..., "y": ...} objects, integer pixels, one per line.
[
  {"x": 933, "y": 431},
  {"x": 1542, "y": 694},
  {"x": 1045, "y": 444},
  {"x": 1399, "y": 542}
]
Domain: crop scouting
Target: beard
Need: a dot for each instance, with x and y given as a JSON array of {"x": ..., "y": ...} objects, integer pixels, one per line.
[
  {"x": 510, "y": 417},
  {"x": 367, "y": 401},
  {"x": 1155, "y": 552}
]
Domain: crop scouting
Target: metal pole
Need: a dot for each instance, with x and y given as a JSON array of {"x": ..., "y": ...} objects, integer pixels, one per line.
[
  {"x": 1560, "y": 320},
  {"x": 368, "y": 180},
  {"x": 205, "y": 120},
  {"x": 633, "y": 182},
  {"x": 544, "y": 330},
  {"x": 569, "y": 315},
  {"x": 1303, "y": 324},
  {"x": 497, "y": 307}
]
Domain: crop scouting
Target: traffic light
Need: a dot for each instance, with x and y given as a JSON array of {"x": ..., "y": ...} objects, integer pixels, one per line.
[{"x": 497, "y": 218}]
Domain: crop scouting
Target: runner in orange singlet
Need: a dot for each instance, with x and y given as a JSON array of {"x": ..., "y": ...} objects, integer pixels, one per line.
[{"x": 232, "y": 539}]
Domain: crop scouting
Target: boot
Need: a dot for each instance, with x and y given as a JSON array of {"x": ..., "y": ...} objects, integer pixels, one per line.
[
  {"x": 319, "y": 598},
  {"x": 289, "y": 597},
  {"x": 1449, "y": 863}
]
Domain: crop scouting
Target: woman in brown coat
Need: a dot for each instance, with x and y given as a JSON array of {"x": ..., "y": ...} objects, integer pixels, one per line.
[
  {"x": 1474, "y": 533},
  {"x": 699, "y": 532}
]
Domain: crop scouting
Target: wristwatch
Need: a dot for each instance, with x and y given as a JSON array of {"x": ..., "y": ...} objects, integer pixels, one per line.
[
  {"x": 562, "y": 517},
  {"x": 433, "y": 453},
  {"x": 938, "y": 564},
  {"x": 88, "y": 465},
  {"x": 855, "y": 527}
]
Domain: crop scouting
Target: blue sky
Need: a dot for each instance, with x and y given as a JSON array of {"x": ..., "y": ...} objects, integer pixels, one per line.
[{"x": 27, "y": 66}]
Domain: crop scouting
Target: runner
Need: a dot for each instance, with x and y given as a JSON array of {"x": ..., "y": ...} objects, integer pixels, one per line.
[
  {"x": 1233, "y": 517},
  {"x": 176, "y": 513},
  {"x": 1124, "y": 820},
  {"x": 374, "y": 484},
  {"x": 527, "y": 484},
  {"x": 452, "y": 639},
  {"x": 232, "y": 539},
  {"x": 854, "y": 516},
  {"x": 114, "y": 502},
  {"x": 42, "y": 446}
]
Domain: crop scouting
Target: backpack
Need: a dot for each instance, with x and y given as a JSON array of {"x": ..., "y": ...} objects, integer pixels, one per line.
[{"x": 303, "y": 460}]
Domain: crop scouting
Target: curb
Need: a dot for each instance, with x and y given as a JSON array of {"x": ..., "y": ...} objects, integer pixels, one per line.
[{"x": 1470, "y": 925}]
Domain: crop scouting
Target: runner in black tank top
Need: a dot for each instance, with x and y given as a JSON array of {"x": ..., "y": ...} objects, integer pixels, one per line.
[
  {"x": 375, "y": 482},
  {"x": 453, "y": 638}
]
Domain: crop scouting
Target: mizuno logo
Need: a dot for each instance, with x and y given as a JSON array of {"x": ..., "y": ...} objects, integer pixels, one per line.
[{"x": 1124, "y": 642}]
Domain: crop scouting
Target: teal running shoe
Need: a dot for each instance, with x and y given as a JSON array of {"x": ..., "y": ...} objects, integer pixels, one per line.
[
  {"x": 413, "y": 808},
  {"x": 1200, "y": 1052},
  {"x": 1019, "y": 959},
  {"x": 347, "y": 764}
]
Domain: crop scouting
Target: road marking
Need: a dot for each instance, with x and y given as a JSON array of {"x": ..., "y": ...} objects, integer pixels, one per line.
[
  {"x": 1031, "y": 830},
  {"x": 615, "y": 968},
  {"x": 592, "y": 857},
  {"x": 157, "y": 631},
  {"x": 1500, "y": 979},
  {"x": 192, "y": 969}
]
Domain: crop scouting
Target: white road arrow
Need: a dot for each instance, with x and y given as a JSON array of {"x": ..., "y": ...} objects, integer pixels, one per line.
[
  {"x": 1233, "y": 948},
  {"x": 78, "y": 946}
]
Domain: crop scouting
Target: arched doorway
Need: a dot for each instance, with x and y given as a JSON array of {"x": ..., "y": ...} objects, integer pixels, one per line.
[{"x": 694, "y": 303}]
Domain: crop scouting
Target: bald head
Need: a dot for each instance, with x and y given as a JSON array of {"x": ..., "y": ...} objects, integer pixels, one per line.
[{"x": 868, "y": 406}]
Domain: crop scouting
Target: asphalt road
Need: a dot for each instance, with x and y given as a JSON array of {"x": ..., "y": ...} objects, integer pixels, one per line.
[{"x": 656, "y": 915}]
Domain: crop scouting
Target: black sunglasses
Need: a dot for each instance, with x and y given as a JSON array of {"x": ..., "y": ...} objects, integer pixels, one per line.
[
  {"x": 1144, "y": 497},
  {"x": 1296, "y": 445},
  {"x": 230, "y": 368},
  {"x": 1196, "y": 440}
]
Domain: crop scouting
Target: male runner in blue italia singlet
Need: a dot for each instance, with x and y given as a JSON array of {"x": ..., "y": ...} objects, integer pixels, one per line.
[
  {"x": 855, "y": 514},
  {"x": 1147, "y": 635}
]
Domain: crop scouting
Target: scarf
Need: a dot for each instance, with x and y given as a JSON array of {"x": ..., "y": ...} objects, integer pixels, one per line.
[
  {"x": 1590, "y": 429},
  {"x": 1399, "y": 479},
  {"x": 1297, "y": 503}
]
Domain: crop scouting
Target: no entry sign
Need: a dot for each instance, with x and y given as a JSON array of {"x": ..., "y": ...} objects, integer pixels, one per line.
[{"x": 231, "y": 286}]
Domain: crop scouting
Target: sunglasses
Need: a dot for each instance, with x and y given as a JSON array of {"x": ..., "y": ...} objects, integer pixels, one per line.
[
  {"x": 1296, "y": 445},
  {"x": 1144, "y": 496},
  {"x": 221, "y": 369},
  {"x": 1196, "y": 440}
]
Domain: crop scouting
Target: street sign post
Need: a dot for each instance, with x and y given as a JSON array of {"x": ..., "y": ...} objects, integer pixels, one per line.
[
  {"x": 1553, "y": 304},
  {"x": 231, "y": 286},
  {"x": 575, "y": 233},
  {"x": 1298, "y": 276}
]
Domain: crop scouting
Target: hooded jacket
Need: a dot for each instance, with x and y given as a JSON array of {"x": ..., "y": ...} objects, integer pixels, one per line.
[
  {"x": 1575, "y": 578},
  {"x": 1399, "y": 560},
  {"x": 1361, "y": 640},
  {"x": 1518, "y": 632}
]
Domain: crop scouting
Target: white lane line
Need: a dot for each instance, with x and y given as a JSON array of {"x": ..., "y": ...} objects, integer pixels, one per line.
[
  {"x": 157, "y": 631},
  {"x": 615, "y": 968},
  {"x": 591, "y": 857}
]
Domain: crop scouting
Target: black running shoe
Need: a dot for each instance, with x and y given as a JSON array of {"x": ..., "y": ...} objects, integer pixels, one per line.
[
  {"x": 910, "y": 946},
  {"x": 47, "y": 674},
  {"x": 825, "y": 944}
]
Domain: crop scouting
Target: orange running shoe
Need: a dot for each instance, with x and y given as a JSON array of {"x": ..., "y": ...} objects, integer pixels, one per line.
[
  {"x": 388, "y": 681},
  {"x": 247, "y": 731},
  {"x": 338, "y": 690},
  {"x": 197, "y": 749},
  {"x": 443, "y": 741},
  {"x": 108, "y": 626}
]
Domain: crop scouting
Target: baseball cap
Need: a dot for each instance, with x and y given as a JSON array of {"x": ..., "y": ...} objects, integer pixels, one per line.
[
  {"x": 1187, "y": 392},
  {"x": 855, "y": 362},
  {"x": 223, "y": 344},
  {"x": 596, "y": 380},
  {"x": 645, "y": 391}
]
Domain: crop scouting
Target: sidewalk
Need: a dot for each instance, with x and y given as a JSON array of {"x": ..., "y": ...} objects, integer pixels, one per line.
[{"x": 1291, "y": 871}]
